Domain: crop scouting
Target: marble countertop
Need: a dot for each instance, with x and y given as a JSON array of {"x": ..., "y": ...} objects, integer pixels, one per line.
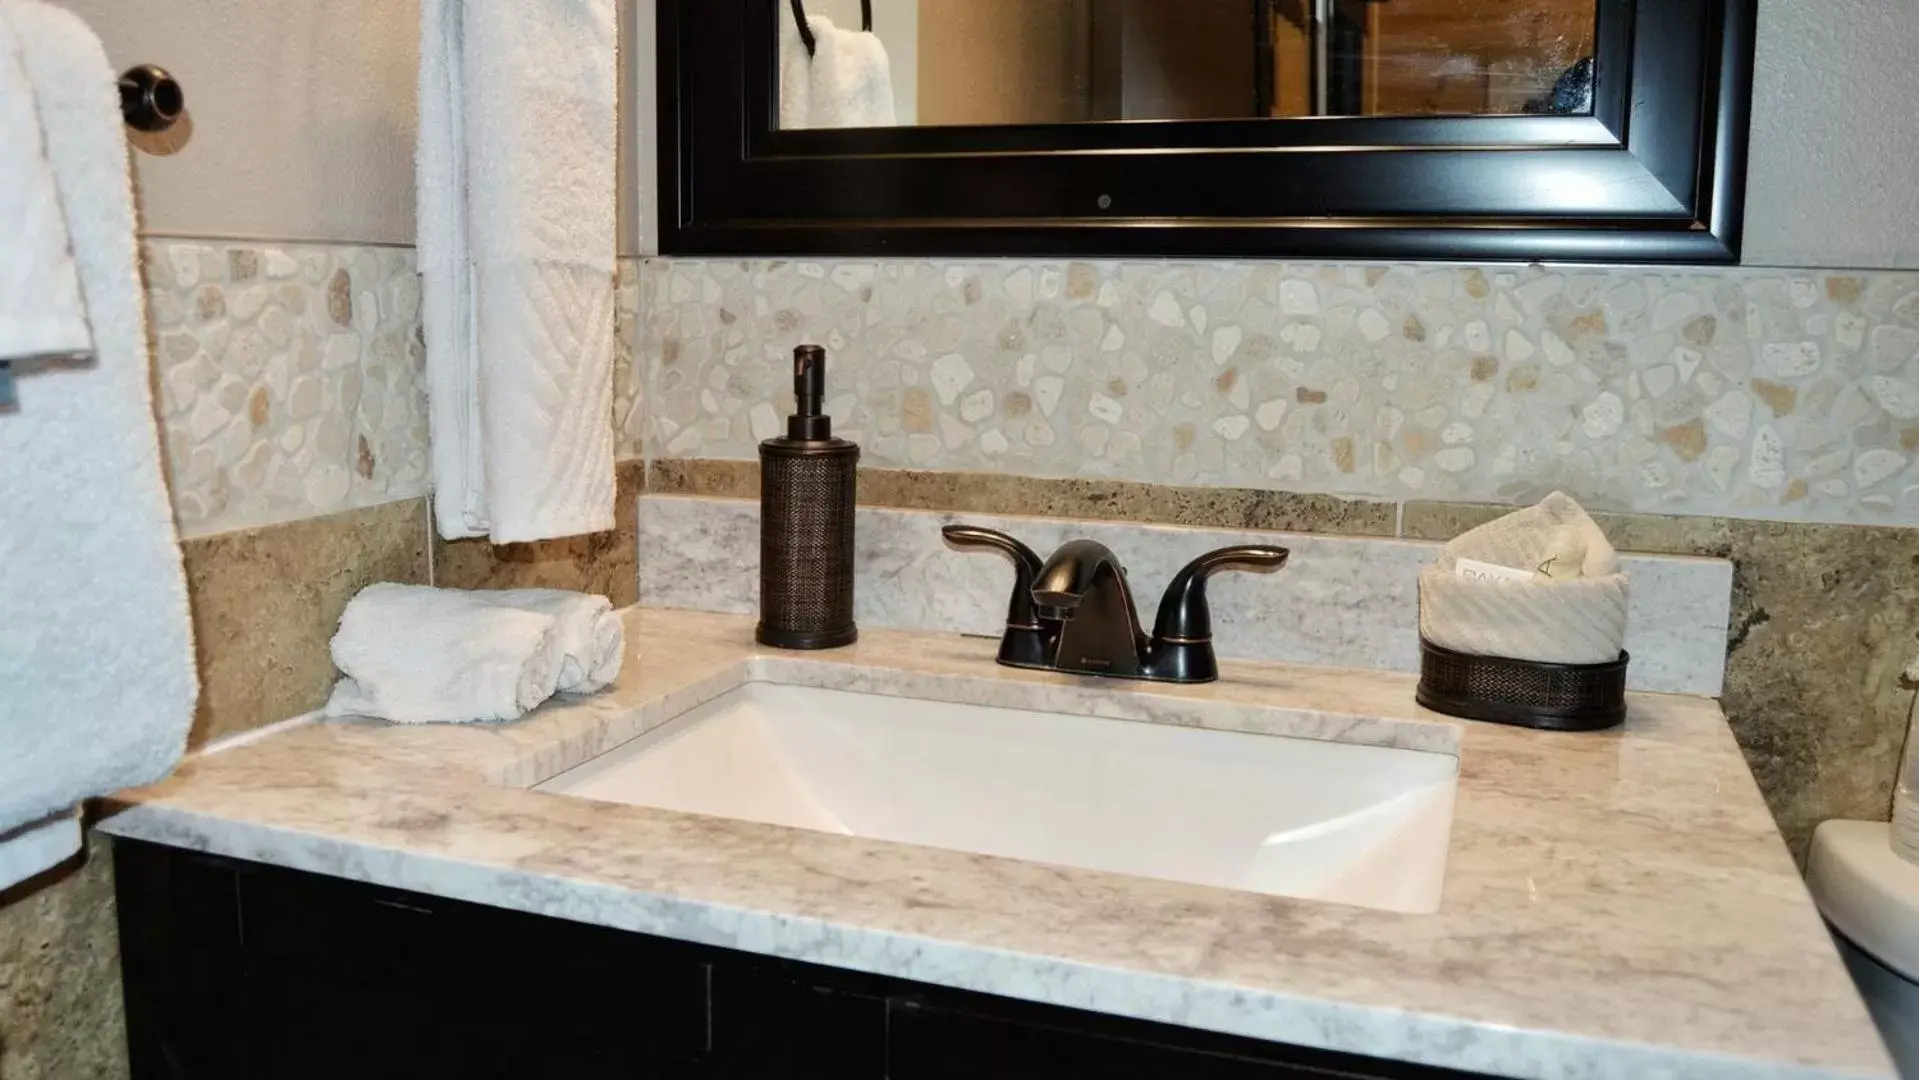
[{"x": 1616, "y": 904}]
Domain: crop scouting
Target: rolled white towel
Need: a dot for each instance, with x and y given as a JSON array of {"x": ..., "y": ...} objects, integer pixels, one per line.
[
  {"x": 592, "y": 643},
  {"x": 418, "y": 655}
]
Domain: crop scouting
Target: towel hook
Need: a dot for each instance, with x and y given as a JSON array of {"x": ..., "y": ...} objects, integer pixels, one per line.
[
  {"x": 151, "y": 99},
  {"x": 806, "y": 32}
]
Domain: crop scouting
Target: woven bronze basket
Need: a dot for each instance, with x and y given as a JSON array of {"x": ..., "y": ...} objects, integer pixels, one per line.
[{"x": 1555, "y": 697}]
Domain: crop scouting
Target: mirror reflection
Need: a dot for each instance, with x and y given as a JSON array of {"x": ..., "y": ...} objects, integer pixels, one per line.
[{"x": 885, "y": 63}]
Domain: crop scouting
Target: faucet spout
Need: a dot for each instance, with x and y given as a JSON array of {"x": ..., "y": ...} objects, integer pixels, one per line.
[
  {"x": 1072, "y": 572},
  {"x": 1083, "y": 586}
]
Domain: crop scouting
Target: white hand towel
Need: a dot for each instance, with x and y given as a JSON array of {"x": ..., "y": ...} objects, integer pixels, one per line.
[
  {"x": 852, "y": 78},
  {"x": 39, "y": 847},
  {"x": 418, "y": 655},
  {"x": 592, "y": 642},
  {"x": 97, "y": 657},
  {"x": 1572, "y": 611},
  {"x": 516, "y": 242},
  {"x": 796, "y": 74},
  {"x": 41, "y": 313}
]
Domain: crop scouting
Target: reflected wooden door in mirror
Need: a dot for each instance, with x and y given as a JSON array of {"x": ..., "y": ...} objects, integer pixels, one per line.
[{"x": 1571, "y": 130}]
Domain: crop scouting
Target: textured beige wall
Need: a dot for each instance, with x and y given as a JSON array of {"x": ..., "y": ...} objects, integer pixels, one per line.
[
  {"x": 304, "y": 115},
  {"x": 302, "y": 110},
  {"x": 1834, "y": 144}
]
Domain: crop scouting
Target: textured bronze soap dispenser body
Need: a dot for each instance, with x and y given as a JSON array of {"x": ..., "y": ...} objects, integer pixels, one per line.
[{"x": 808, "y": 495}]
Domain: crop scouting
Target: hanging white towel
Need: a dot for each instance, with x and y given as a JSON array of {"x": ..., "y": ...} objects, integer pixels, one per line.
[
  {"x": 418, "y": 655},
  {"x": 852, "y": 78},
  {"x": 41, "y": 314},
  {"x": 516, "y": 243},
  {"x": 38, "y": 847},
  {"x": 97, "y": 658},
  {"x": 592, "y": 642},
  {"x": 796, "y": 74}
]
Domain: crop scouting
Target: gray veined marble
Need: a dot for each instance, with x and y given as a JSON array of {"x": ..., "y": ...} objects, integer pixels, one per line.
[
  {"x": 1615, "y": 904},
  {"x": 1340, "y": 601}
]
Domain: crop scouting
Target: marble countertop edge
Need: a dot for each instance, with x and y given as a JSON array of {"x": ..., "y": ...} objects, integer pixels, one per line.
[{"x": 1372, "y": 1030}]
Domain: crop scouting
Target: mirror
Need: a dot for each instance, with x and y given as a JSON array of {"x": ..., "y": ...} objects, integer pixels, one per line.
[
  {"x": 943, "y": 63},
  {"x": 1521, "y": 130}
]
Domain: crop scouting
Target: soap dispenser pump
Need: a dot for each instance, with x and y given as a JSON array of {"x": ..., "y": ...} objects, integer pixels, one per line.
[{"x": 808, "y": 493}]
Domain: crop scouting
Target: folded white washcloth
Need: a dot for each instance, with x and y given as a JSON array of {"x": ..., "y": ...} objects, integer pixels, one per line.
[
  {"x": 418, "y": 655},
  {"x": 1561, "y": 600},
  {"x": 42, "y": 315},
  {"x": 592, "y": 643},
  {"x": 852, "y": 78}
]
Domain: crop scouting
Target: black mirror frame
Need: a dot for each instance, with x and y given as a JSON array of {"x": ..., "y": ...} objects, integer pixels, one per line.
[{"x": 1655, "y": 175}]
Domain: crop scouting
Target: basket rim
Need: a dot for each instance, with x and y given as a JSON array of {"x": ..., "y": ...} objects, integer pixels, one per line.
[{"x": 1444, "y": 653}]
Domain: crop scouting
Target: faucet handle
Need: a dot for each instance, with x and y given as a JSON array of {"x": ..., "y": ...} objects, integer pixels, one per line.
[
  {"x": 1029, "y": 640},
  {"x": 1184, "y": 614},
  {"x": 1182, "y": 648}
]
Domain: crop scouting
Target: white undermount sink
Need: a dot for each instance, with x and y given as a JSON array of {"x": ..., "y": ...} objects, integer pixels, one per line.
[{"x": 1319, "y": 820}]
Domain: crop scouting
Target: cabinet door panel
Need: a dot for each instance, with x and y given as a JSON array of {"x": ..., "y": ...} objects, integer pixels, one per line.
[
  {"x": 373, "y": 984},
  {"x": 188, "y": 1012},
  {"x": 780, "y": 1022},
  {"x": 931, "y": 1043}
]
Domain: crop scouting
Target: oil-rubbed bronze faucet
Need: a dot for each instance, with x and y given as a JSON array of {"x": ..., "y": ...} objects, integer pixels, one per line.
[{"x": 1075, "y": 611}]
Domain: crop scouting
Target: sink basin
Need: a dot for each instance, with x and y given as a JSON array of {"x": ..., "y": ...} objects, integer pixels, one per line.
[{"x": 1318, "y": 820}]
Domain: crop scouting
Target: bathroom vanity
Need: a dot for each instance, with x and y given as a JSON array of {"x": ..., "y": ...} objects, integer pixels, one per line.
[
  {"x": 360, "y": 899},
  {"x": 312, "y": 976}
]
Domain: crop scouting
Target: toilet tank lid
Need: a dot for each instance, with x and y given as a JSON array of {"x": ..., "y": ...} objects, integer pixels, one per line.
[{"x": 1867, "y": 892}]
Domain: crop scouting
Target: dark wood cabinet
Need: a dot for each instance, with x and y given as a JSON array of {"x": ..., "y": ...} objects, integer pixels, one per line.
[
  {"x": 932, "y": 1042},
  {"x": 237, "y": 970},
  {"x": 787, "y": 1020}
]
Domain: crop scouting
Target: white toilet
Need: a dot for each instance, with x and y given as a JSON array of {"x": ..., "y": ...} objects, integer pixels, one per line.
[{"x": 1870, "y": 896}]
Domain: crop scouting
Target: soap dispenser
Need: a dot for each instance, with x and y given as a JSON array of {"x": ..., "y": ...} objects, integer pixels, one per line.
[{"x": 807, "y": 496}]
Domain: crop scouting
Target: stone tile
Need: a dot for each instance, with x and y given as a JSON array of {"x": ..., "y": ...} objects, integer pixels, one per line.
[
  {"x": 61, "y": 1016},
  {"x": 1825, "y": 618},
  {"x": 289, "y": 379},
  {"x": 1740, "y": 392},
  {"x": 1114, "y": 500},
  {"x": 710, "y": 476},
  {"x": 1443, "y": 521},
  {"x": 266, "y": 602},
  {"x": 1341, "y": 601},
  {"x": 605, "y": 563}
]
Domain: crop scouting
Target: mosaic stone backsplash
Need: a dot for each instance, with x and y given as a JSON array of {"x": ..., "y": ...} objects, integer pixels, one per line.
[
  {"x": 290, "y": 378},
  {"x": 1762, "y": 394}
]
